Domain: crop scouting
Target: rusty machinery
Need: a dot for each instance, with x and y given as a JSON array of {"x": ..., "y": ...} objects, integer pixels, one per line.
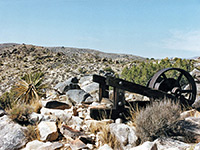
[{"x": 173, "y": 83}]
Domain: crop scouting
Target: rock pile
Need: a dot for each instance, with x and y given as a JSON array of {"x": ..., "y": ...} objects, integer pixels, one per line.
[{"x": 64, "y": 123}]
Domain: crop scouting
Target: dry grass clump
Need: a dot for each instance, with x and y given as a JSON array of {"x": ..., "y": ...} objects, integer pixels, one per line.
[
  {"x": 32, "y": 133},
  {"x": 97, "y": 126},
  {"x": 20, "y": 113},
  {"x": 37, "y": 106},
  {"x": 106, "y": 137},
  {"x": 155, "y": 120}
]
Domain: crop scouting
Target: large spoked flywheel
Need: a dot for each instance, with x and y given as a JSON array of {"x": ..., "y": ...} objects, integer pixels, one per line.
[{"x": 176, "y": 82}]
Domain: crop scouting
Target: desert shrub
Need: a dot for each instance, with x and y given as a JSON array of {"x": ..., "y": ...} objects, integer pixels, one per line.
[
  {"x": 7, "y": 100},
  {"x": 155, "y": 120},
  {"x": 30, "y": 87},
  {"x": 141, "y": 72},
  {"x": 109, "y": 69},
  {"x": 82, "y": 70},
  {"x": 20, "y": 113}
]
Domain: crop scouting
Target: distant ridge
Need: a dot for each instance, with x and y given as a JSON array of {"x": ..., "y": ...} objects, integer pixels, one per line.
[
  {"x": 77, "y": 51},
  {"x": 4, "y": 45},
  {"x": 71, "y": 51}
]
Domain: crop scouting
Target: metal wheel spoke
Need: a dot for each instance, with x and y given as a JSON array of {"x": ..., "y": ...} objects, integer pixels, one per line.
[
  {"x": 186, "y": 91},
  {"x": 164, "y": 76},
  {"x": 179, "y": 78}
]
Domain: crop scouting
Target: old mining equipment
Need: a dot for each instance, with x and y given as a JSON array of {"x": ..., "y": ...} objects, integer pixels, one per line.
[{"x": 173, "y": 83}]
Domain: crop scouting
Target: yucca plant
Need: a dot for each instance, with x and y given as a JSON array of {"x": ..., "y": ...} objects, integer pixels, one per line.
[{"x": 30, "y": 87}]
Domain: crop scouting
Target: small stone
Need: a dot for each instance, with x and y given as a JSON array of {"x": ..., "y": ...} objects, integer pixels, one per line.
[
  {"x": 35, "y": 118},
  {"x": 190, "y": 113},
  {"x": 87, "y": 139},
  {"x": 69, "y": 132},
  {"x": 105, "y": 147},
  {"x": 75, "y": 120},
  {"x": 38, "y": 145},
  {"x": 146, "y": 146},
  {"x": 33, "y": 145},
  {"x": 197, "y": 147},
  {"x": 119, "y": 120},
  {"x": 2, "y": 112},
  {"x": 90, "y": 146},
  {"x": 48, "y": 131},
  {"x": 78, "y": 145}
]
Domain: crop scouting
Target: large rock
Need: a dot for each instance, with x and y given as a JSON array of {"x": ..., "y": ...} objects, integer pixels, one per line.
[
  {"x": 12, "y": 134},
  {"x": 62, "y": 115},
  {"x": 48, "y": 131},
  {"x": 57, "y": 105},
  {"x": 79, "y": 96},
  {"x": 196, "y": 75},
  {"x": 170, "y": 144},
  {"x": 197, "y": 147},
  {"x": 69, "y": 84},
  {"x": 38, "y": 145},
  {"x": 146, "y": 146},
  {"x": 85, "y": 80},
  {"x": 124, "y": 134},
  {"x": 162, "y": 144},
  {"x": 91, "y": 88}
]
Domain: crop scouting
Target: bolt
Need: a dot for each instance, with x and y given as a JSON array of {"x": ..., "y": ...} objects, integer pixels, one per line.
[
  {"x": 120, "y": 103},
  {"x": 120, "y": 82},
  {"x": 120, "y": 114}
]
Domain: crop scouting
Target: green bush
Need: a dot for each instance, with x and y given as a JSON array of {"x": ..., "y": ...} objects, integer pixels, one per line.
[
  {"x": 141, "y": 72},
  {"x": 156, "y": 120},
  {"x": 109, "y": 69},
  {"x": 7, "y": 100}
]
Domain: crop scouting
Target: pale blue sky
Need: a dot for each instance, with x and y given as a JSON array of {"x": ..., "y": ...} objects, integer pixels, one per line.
[{"x": 148, "y": 28}]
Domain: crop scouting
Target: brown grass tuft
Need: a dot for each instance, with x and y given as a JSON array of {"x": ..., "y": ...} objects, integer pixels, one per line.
[
  {"x": 32, "y": 133},
  {"x": 20, "y": 113},
  {"x": 106, "y": 137}
]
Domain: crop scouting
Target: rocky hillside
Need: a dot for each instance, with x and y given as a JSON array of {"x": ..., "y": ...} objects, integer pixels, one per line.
[
  {"x": 58, "y": 63},
  {"x": 61, "y": 119}
]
